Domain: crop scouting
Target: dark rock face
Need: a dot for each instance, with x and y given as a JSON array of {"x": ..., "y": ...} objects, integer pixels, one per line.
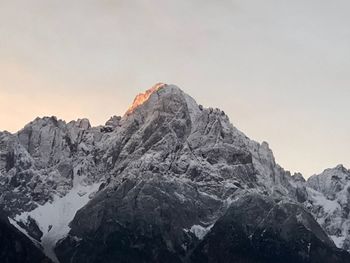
[
  {"x": 257, "y": 229},
  {"x": 138, "y": 222},
  {"x": 32, "y": 228},
  {"x": 16, "y": 247}
]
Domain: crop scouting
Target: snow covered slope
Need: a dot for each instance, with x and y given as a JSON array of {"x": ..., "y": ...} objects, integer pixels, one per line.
[
  {"x": 329, "y": 201},
  {"x": 53, "y": 218}
]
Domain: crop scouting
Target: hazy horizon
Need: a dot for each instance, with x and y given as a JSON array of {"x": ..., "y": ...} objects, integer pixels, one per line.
[{"x": 279, "y": 69}]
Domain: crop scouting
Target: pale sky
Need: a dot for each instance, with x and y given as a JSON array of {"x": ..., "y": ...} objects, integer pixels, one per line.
[{"x": 280, "y": 69}]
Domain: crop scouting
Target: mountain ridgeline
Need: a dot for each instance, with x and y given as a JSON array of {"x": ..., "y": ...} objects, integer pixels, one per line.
[{"x": 170, "y": 181}]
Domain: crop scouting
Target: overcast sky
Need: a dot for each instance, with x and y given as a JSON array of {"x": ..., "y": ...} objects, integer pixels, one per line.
[{"x": 280, "y": 69}]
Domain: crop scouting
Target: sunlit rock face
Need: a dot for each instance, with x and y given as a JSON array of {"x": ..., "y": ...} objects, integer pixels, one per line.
[
  {"x": 142, "y": 97},
  {"x": 145, "y": 187}
]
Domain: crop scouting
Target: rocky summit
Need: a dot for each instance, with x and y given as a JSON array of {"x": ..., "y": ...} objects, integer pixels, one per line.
[{"x": 170, "y": 181}]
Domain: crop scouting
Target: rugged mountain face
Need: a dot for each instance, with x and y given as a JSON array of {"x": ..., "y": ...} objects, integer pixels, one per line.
[
  {"x": 331, "y": 208},
  {"x": 169, "y": 158},
  {"x": 257, "y": 228},
  {"x": 47, "y": 171},
  {"x": 43, "y": 160},
  {"x": 16, "y": 247},
  {"x": 149, "y": 186}
]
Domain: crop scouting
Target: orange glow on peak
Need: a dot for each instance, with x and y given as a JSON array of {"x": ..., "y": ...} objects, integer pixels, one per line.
[{"x": 143, "y": 97}]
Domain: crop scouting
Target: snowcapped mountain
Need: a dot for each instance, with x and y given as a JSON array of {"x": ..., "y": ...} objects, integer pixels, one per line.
[{"x": 162, "y": 184}]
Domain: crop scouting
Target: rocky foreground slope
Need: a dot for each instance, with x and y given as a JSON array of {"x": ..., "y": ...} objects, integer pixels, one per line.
[
  {"x": 15, "y": 247},
  {"x": 170, "y": 181}
]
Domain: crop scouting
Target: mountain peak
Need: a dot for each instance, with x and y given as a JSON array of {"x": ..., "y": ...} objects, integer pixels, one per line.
[
  {"x": 143, "y": 97},
  {"x": 340, "y": 167}
]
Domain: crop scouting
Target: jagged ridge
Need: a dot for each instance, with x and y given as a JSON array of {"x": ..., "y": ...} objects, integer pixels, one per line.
[{"x": 166, "y": 158}]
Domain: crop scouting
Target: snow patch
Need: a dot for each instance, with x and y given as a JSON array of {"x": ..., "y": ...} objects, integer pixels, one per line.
[
  {"x": 338, "y": 241},
  {"x": 211, "y": 196},
  {"x": 328, "y": 206},
  {"x": 200, "y": 231},
  {"x": 53, "y": 218}
]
